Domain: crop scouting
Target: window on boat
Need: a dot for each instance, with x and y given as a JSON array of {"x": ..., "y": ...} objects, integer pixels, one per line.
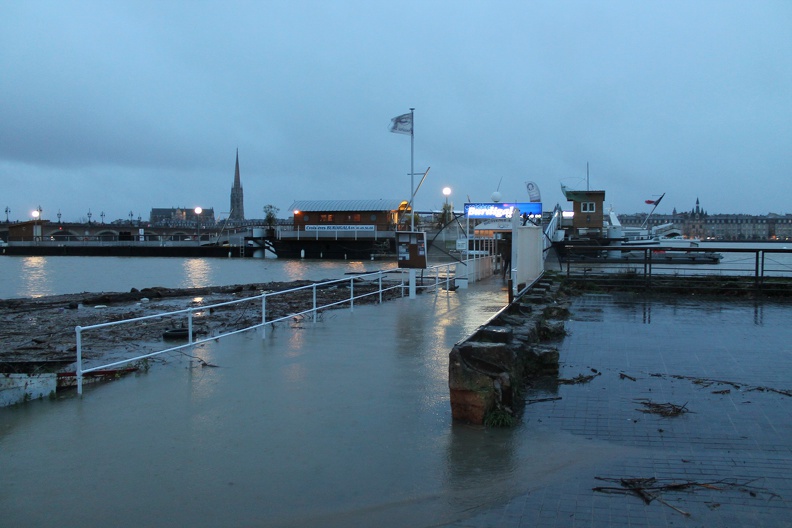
[{"x": 588, "y": 207}]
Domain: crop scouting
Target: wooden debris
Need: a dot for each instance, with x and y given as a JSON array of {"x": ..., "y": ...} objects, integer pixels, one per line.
[
  {"x": 707, "y": 382},
  {"x": 622, "y": 375},
  {"x": 663, "y": 409},
  {"x": 579, "y": 379},
  {"x": 540, "y": 400},
  {"x": 649, "y": 489}
]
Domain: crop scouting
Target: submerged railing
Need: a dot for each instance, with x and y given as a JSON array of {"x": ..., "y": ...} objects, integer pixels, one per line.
[{"x": 303, "y": 301}]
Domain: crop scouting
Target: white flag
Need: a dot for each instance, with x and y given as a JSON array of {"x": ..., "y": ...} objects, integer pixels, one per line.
[
  {"x": 533, "y": 192},
  {"x": 402, "y": 124}
]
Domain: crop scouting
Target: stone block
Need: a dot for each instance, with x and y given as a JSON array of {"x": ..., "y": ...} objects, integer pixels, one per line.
[{"x": 494, "y": 334}]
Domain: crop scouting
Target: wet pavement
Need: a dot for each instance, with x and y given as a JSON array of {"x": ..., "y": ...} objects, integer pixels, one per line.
[
  {"x": 346, "y": 422},
  {"x": 733, "y": 447}
]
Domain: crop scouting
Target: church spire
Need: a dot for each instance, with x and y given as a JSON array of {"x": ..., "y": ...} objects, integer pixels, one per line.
[
  {"x": 237, "y": 183},
  {"x": 237, "y": 196}
]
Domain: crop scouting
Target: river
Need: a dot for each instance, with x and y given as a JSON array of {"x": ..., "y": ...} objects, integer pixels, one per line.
[{"x": 41, "y": 276}]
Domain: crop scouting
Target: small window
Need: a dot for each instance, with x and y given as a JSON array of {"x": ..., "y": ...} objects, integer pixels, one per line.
[
  {"x": 306, "y": 218},
  {"x": 373, "y": 218},
  {"x": 587, "y": 207}
]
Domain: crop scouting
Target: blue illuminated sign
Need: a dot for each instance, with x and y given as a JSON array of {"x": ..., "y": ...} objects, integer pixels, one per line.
[{"x": 496, "y": 210}]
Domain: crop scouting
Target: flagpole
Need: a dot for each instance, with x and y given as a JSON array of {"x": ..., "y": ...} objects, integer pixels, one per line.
[{"x": 412, "y": 170}]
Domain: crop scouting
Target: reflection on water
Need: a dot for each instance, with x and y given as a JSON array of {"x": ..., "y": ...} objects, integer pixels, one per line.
[
  {"x": 35, "y": 277},
  {"x": 197, "y": 273}
]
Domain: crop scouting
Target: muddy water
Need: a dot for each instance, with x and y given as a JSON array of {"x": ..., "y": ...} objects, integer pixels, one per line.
[
  {"x": 40, "y": 276},
  {"x": 342, "y": 423}
]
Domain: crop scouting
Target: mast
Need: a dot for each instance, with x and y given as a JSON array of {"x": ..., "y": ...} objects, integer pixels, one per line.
[
  {"x": 412, "y": 169},
  {"x": 656, "y": 203}
]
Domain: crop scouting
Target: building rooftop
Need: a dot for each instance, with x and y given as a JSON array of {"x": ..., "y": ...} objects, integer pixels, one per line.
[{"x": 346, "y": 205}]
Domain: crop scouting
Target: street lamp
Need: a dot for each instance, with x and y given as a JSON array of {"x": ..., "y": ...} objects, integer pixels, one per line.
[
  {"x": 36, "y": 228},
  {"x": 89, "y": 216},
  {"x": 131, "y": 217},
  {"x": 102, "y": 215},
  {"x": 59, "y": 217},
  {"x": 198, "y": 212},
  {"x": 7, "y": 210},
  {"x": 446, "y": 193}
]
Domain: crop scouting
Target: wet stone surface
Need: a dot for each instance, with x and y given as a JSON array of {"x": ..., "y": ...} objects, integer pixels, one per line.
[{"x": 694, "y": 393}]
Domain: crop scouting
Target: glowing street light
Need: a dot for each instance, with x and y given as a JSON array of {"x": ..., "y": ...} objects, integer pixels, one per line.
[
  {"x": 36, "y": 227},
  {"x": 446, "y": 193},
  {"x": 198, "y": 211}
]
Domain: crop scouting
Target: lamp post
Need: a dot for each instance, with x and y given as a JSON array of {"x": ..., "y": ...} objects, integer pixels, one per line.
[
  {"x": 89, "y": 216},
  {"x": 198, "y": 211},
  {"x": 102, "y": 215},
  {"x": 7, "y": 210},
  {"x": 59, "y": 217},
  {"x": 446, "y": 193},
  {"x": 36, "y": 227}
]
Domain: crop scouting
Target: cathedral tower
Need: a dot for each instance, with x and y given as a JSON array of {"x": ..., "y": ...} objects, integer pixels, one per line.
[{"x": 237, "y": 199}]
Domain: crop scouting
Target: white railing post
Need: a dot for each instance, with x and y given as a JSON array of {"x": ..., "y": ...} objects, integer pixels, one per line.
[
  {"x": 437, "y": 280},
  {"x": 78, "y": 332},
  {"x": 314, "y": 302},
  {"x": 190, "y": 326},
  {"x": 380, "y": 287},
  {"x": 352, "y": 294},
  {"x": 263, "y": 315}
]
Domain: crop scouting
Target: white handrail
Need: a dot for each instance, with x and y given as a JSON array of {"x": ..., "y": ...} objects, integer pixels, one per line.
[{"x": 435, "y": 271}]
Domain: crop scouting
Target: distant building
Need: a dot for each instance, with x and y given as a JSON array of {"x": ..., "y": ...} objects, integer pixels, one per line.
[
  {"x": 698, "y": 223},
  {"x": 237, "y": 214},
  {"x": 377, "y": 215},
  {"x": 181, "y": 216}
]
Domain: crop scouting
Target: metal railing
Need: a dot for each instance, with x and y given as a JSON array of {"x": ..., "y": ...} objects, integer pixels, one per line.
[
  {"x": 310, "y": 296},
  {"x": 707, "y": 268}
]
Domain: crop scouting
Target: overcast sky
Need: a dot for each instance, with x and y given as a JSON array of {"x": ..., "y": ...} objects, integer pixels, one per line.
[{"x": 119, "y": 106}]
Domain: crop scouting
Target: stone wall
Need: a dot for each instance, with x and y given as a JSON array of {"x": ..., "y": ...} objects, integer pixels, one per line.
[{"x": 487, "y": 370}]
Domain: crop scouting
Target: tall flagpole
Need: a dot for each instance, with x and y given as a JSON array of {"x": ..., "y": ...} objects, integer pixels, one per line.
[{"x": 412, "y": 170}]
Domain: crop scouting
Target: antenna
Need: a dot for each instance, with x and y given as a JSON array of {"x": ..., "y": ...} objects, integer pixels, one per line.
[{"x": 587, "y": 177}]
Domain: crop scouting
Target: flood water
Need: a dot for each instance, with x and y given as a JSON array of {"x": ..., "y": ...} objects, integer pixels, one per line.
[
  {"x": 41, "y": 276},
  {"x": 345, "y": 422}
]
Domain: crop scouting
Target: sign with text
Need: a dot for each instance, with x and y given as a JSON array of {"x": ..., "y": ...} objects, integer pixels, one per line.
[
  {"x": 339, "y": 227},
  {"x": 497, "y": 210},
  {"x": 411, "y": 249}
]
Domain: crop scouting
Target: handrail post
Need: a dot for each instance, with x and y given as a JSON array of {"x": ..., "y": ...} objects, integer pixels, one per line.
[
  {"x": 352, "y": 294},
  {"x": 314, "y": 302},
  {"x": 78, "y": 332},
  {"x": 437, "y": 280},
  {"x": 263, "y": 315},
  {"x": 380, "y": 286},
  {"x": 190, "y": 326}
]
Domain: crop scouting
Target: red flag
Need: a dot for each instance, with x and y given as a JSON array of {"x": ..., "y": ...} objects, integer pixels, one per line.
[{"x": 650, "y": 202}]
